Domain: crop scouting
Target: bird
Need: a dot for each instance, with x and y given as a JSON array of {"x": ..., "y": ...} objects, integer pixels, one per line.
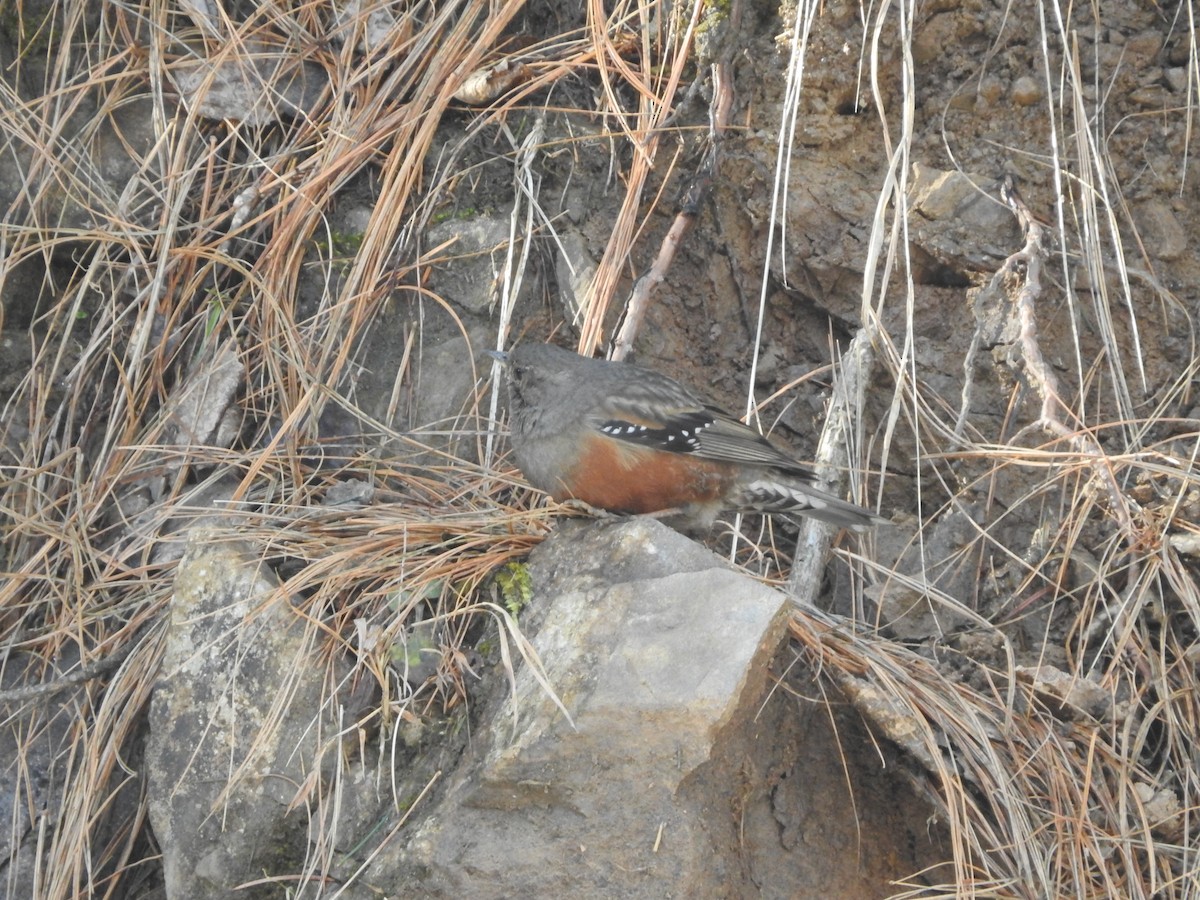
[{"x": 626, "y": 439}]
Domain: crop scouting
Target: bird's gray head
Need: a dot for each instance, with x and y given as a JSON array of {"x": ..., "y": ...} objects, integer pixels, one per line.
[{"x": 542, "y": 374}]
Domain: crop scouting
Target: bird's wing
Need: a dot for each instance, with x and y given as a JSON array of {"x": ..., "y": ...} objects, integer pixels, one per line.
[
  {"x": 663, "y": 415},
  {"x": 728, "y": 439}
]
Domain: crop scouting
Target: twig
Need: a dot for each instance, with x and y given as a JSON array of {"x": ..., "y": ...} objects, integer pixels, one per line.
[
  {"x": 832, "y": 455},
  {"x": 1038, "y": 373},
  {"x": 83, "y": 673},
  {"x": 639, "y": 301},
  {"x": 698, "y": 192}
]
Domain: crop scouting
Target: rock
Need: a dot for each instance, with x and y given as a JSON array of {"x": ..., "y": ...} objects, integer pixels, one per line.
[
  {"x": 473, "y": 258},
  {"x": 262, "y": 83},
  {"x": 1162, "y": 811},
  {"x": 352, "y": 494},
  {"x": 1187, "y": 543},
  {"x": 1142, "y": 48},
  {"x": 1161, "y": 230},
  {"x": 1026, "y": 91},
  {"x": 443, "y": 386},
  {"x": 1176, "y": 78},
  {"x": 911, "y": 613},
  {"x": 991, "y": 90},
  {"x": 574, "y": 269},
  {"x": 937, "y": 194},
  {"x": 928, "y": 603},
  {"x": 425, "y": 390},
  {"x": 958, "y": 224},
  {"x": 659, "y": 652},
  {"x": 198, "y": 407},
  {"x": 1151, "y": 96},
  {"x": 237, "y": 695},
  {"x": 1065, "y": 694},
  {"x": 374, "y": 25}
]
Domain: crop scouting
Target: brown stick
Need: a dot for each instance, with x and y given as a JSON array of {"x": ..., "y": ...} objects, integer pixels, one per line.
[
  {"x": 698, "y": 193},
  {"x": 1038, "y": 372}
]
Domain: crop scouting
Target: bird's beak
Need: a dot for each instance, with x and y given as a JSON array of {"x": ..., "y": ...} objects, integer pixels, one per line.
[{"x": 498, "y": 355}]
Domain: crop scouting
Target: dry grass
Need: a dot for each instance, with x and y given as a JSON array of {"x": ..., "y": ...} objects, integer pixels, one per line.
[{"x": 177, "y": 274}]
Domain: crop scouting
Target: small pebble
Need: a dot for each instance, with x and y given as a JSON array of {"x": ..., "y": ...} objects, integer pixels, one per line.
[
  {"x": 1026, "y": 91},
  {"x": 1177, "y": 79}
]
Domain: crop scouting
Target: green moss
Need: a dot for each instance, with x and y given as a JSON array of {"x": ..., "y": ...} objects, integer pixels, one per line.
[
  {"x": 461, "y": 213},
  {"x": 338, "y": 244},
  {"x": 711, "y": 29},
  {"x": 515, "y": 586}
]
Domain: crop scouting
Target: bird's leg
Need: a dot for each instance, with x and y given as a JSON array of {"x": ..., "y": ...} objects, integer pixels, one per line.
[
  {"x": 661, "y": 514},
  {"x": 597, "y": 513},
  {"x": 587, "y": 509}
]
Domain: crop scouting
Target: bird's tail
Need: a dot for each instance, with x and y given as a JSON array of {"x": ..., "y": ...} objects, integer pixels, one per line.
[{"x": 777, "y": 495}]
